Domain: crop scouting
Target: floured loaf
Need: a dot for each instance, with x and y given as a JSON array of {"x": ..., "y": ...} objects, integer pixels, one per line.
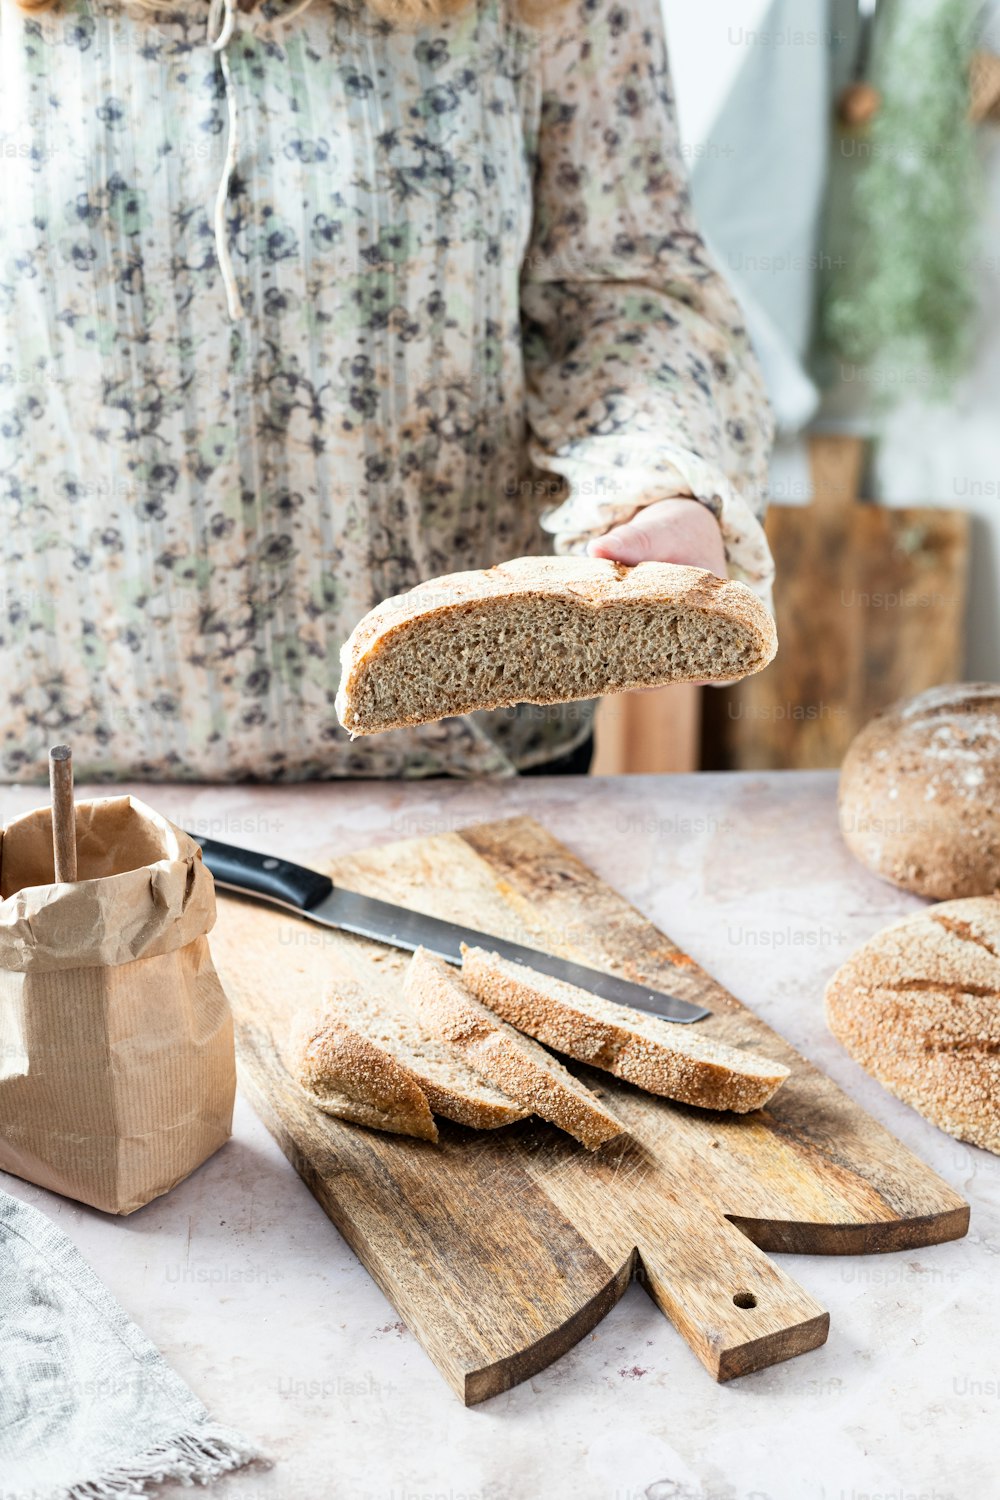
[{"x": 920, "y": 792}]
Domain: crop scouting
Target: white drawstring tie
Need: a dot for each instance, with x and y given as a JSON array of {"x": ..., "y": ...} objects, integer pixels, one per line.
[{"x": 221, "y": 25}]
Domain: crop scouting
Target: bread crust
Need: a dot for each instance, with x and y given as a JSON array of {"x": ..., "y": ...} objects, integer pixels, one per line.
[
  {"x": 477, "y": 1114},
  {"x": 683, "y": 1067},
  {"x": 366, "y": 1059},
  {"x": 919, "y": 796},
  {"x": 512, "y": 1062},
  {"x": 593, "y": 584},
  {"x": 918, "y": 1006},
  {"x": 346, "y": 1074}
]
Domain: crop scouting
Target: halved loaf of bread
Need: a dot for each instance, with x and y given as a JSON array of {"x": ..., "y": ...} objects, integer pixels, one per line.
[
  {"x": 525, "y": 1071},
  {"x": 368, "y": 1059},
  {"x": 678, "y": 1062},
  {"x": 546, "y": 630}
]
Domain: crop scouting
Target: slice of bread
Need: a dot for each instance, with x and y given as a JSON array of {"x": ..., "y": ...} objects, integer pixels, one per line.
[
  {"x": 515, "y": 1064},
  {"x": 546, "y": 630},
  {"x": 368, "y": 1059},
  {"x": 659, "y": 1056}
]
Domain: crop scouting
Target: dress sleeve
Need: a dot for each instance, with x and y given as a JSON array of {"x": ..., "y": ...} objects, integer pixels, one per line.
[{"x": 641, "y": 381}]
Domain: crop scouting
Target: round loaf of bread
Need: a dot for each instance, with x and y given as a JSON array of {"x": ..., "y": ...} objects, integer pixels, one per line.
[
  {"x": 919, "y": 1007},
  {"x": 920, "y": 792}
]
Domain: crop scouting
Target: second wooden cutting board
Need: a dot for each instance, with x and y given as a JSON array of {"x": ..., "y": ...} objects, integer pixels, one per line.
[{"x": 501, "y": 1249}]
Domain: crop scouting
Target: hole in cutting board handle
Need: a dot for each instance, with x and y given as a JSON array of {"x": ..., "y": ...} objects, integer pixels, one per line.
[{"x": 745, "y": 1299}]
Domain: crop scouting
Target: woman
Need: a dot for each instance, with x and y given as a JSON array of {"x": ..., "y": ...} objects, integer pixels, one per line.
[{"x": 300, "y": 307}]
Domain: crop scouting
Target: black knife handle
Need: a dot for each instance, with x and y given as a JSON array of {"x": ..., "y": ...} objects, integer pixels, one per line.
[{"x": 264, "y": 874}]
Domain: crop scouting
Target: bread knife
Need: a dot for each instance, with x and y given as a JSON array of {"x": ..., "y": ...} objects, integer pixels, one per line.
[{"x": 313, "y": 896}]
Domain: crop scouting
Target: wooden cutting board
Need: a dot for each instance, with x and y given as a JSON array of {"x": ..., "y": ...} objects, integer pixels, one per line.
[{"x": 501, "y": 1249}]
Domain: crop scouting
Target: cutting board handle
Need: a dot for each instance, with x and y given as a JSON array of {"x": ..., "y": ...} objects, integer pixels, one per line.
[
  {"x": 836, "y": 465},
  {"x": 737, "y": 1309}
]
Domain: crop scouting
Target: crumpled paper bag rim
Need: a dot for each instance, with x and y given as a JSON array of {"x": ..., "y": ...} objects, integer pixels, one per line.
[{"x": 150, "y": 909}]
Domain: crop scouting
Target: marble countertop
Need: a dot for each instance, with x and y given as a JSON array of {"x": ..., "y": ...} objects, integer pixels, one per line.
[{"x": 241, "y": 1280}]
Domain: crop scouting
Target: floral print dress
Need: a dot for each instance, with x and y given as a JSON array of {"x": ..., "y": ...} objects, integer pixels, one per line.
[{"x": 468, "y": 317}]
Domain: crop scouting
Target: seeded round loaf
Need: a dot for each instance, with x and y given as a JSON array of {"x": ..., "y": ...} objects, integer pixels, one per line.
[
  {"x": 918, "y": 1006},
  {"x": 920, "y": 792}
]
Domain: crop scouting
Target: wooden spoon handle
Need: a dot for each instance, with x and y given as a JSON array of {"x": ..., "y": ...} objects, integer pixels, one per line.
[{"x": 63, "y": 812}]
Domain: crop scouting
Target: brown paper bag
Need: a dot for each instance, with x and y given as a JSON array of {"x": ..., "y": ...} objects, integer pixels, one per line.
[{"x": 117, "y": 1073}]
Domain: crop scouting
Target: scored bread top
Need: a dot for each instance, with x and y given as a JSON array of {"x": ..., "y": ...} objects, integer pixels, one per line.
[
  {"x": 515, "y": 1063},
  {"x": 678, "y": 1062},
  {"x": 356, "y": 1032},
  {"x": 918, "y": 1006},
  {"x": 594, "y": 584}
]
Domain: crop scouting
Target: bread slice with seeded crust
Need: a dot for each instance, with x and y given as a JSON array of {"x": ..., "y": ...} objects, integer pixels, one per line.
[
  {"x": 546, "y": 630},
  {"x": 366, "y": 1058},
  {"x": 658, "y": 1056},
  {"x": 514, "y": 1063}
]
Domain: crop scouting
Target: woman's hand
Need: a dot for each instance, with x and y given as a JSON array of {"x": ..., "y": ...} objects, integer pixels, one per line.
[{"x": 674, "y": 531}]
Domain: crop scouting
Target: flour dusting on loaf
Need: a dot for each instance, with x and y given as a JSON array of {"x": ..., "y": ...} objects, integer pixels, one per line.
[
  {"x": 546, "y": 630},
  {"x": 920, "y": 792}
]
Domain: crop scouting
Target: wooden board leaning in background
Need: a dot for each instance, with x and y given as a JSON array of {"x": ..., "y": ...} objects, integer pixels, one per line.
[
  {"x": 870, "y": 605},
  {"x": 649, "y": 733}
]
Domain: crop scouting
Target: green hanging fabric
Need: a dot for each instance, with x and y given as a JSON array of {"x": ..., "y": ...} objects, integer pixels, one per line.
[{"x": 905, "y": 291}]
